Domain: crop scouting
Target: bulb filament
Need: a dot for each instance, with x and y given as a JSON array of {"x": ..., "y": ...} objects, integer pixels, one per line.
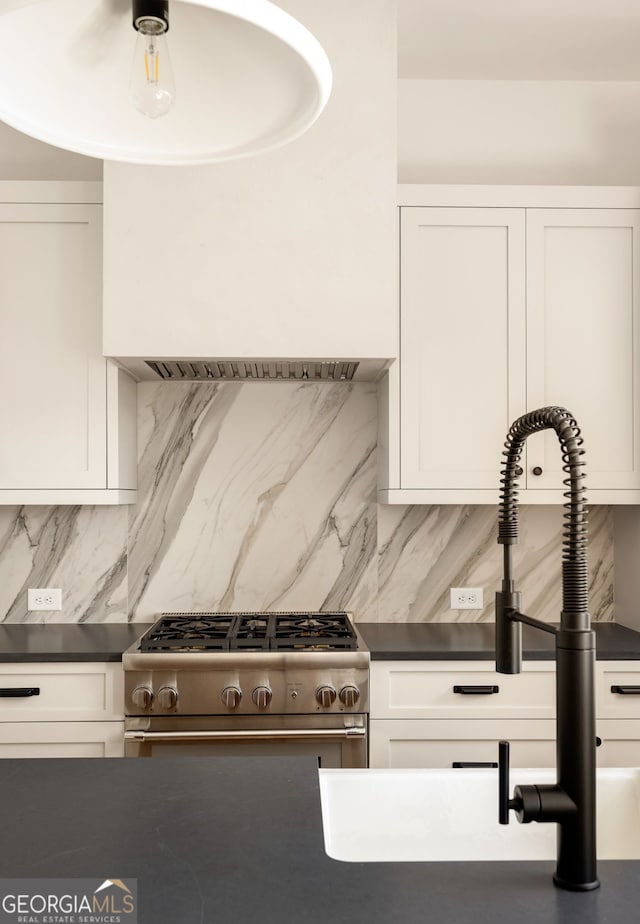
[{"x": 152, "y": 63}]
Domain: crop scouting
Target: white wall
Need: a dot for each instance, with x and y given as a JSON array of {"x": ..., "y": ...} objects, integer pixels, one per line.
[
  {"x": 24, "y": 158},
  {"x": 512, "y": 132}
]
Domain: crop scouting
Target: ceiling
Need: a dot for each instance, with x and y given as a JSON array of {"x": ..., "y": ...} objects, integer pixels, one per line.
[{"x": 519, "y": 39}]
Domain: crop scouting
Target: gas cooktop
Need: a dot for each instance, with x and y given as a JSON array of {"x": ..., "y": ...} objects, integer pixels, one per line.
[{"x": 290, "y": 631}]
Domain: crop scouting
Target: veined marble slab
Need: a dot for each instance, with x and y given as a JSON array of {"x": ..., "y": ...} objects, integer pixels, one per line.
[
  {"x": 255, "y": 497},
  {"x": 82, "y": 550},
  {"x": 424, "y": 551},
  {"x": 263, "y": 497}
]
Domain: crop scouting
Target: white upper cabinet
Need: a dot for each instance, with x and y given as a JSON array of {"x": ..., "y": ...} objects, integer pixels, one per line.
[
  {"x": 583, "y": 270},
  {"x": 67, "y": 416},
  {"x": 505, "y": 309},
  {"x": 462, "y": 320},
  {"x": 288, "y": 255}
]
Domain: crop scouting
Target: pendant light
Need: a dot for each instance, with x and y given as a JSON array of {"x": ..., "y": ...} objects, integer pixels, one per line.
[{"x": 236, "y": 77}]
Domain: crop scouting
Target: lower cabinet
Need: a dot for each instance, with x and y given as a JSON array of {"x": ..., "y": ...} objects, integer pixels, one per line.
[
  {"x": 458, "y": 743},
  {"x": 620, "y": 742},
  {"x": 62, "y": 739},
  {"x": 62, "y": 709},
  {"x": 452, "y": 714}
]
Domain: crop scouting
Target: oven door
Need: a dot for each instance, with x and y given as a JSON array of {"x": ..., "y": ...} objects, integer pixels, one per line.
[{"x": 336, "y": 741}]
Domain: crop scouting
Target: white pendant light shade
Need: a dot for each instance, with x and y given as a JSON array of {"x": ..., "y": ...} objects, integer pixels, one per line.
[{"x": 247, "y": 77}]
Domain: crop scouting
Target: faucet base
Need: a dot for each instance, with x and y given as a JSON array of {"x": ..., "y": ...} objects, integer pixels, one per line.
[{"x": 575, "y": 886}]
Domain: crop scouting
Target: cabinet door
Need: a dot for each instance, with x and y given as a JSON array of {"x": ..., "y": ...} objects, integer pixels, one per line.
[
  {"x": 414, "y": 743},
  {"x": 62, "y": 739},
  {"x": 618, "y": 690},
  {"x": 52, "y": 373},
  {"x": 619, "y": 743},
  {"x": 464, "y": 690},
  {"x": 583, "y": 269},
  {"x": 61, "y": 692},
  {"x": 462, "y": 318}
]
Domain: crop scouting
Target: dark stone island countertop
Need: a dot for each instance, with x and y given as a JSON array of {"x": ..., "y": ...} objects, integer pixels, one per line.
[
  {"x": 469, "y": 641},
  {"x": 236, "y": 841}
]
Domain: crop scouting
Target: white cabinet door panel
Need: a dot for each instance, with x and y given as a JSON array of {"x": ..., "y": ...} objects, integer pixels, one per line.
[
  {"x": 620, "y": 745},
  {"x": 582, "y": 339},
  {"x": 618, "y": 690},
  {"x": 62, "y": 739},
  {"x": 406, "y": 743},
  {"x": 453, "y": 690},
  {"x": 462, "y": 290},
  {"x": 52, "y": 373},
  {"x": 61, "y": 691}
]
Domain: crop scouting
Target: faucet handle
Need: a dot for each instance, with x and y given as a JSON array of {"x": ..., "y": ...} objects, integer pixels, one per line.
[{"x": 504, "y": 802}]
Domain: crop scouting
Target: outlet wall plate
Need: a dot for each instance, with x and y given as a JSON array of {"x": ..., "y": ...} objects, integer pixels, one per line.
[
  {"x": 466, "y": 598},
  {"x": 44, "y": 598}
]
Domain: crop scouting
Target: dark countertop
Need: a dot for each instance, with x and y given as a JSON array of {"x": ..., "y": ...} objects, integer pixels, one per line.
[
  {"x": 237, "y": 841},
  {"x": 469, "y": 641},
  {"x": 387, "y": 641},
  {"x": 103, "y": 641}
]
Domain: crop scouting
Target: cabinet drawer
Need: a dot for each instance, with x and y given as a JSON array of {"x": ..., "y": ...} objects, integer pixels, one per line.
[
  {"x": 429, "y": 689},
  {"x": 404, "y": 743},
  {"x": 620, "y": 742},
  {"x": 61, "y": 692},
  {"x": 62, "y": 739},
  {"x": 623, "y": 701}
]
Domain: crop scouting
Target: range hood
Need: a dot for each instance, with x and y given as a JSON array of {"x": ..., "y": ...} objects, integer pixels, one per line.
[
  {"x": 256, "y": 370},
  {"x": 279, "y": 267}
]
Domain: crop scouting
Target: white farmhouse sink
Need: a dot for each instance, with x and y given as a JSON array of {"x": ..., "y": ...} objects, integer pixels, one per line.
[{"x": 428, "y": 815}]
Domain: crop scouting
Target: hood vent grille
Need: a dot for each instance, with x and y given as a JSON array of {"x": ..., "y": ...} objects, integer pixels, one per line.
[{"x": 210, "y": 370}]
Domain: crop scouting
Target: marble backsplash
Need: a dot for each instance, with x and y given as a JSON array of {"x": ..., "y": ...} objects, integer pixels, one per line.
[{"x": 263, "y": 497}]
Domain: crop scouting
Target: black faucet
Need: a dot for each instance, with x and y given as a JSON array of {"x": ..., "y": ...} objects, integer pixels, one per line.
[{"x": 571, "y": 801}]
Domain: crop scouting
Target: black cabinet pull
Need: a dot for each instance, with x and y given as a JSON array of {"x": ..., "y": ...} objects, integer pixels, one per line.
[
  {"x": 626, "y": 690},
  {"x": 468, "y": 689},
  {"x": 472, "y": 764},
  {"x": 19, "y": 691}
]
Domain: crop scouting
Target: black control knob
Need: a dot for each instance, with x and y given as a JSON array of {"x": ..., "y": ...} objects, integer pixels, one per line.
[
  {"x": 231, "y": 697},
  {"x": 262, "y": 697},
  {"x": 167, "y": 697},
  {"x": 325, "y": 696},
  {"x": 142, "y": 697},
  {"x": 349, "y": 695}
]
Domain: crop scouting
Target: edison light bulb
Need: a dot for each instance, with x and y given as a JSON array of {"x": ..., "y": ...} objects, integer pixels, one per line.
[{"x": 152, "y": 87}]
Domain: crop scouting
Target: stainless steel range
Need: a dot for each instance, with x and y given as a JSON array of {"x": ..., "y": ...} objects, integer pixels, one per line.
[{"x": 249, "y": 684}]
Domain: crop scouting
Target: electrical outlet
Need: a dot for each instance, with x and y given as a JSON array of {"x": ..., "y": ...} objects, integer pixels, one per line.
[
  {"x": 44, "y": 598},
  {"x": 466, "y": 598}
]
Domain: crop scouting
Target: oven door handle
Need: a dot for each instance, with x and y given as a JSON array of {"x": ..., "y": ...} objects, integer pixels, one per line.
[{"x": 350, "y": 731}]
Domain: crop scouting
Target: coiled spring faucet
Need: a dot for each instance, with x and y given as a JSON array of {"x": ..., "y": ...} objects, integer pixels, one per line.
[{"x": 571, "y": 801}]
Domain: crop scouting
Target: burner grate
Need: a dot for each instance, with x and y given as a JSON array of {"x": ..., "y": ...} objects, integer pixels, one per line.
[
  {"x": 314, "y": 632},
  {"x": 291, "y": 631},
  {"x": 252, "y": 632},
  {"x": 189, "y": 631}
]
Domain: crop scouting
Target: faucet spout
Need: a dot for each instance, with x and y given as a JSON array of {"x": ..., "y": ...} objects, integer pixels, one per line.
[{"x": 571, "y": 802}]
